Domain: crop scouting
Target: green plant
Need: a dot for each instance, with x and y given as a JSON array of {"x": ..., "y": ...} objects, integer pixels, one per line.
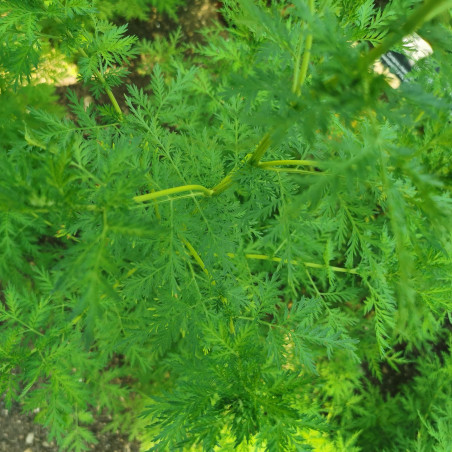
[
  {"x": 131, "y": 9},
  {"x": 242, "y": 250}
]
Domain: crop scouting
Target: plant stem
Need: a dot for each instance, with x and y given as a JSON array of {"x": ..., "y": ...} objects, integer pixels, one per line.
[
  {"x": 170, "y": 191},
  {"x": 14, "y": 317},
  {"x": 109, "y": 92},
  {"x": 297, "y": 64},
  {"x": 101, "y": 126},
  {"x": 88, "y": 173},
  {"x": 191, "y": 195},
  {"x": 226, "y": 182},
  {"x": 101, "y": 78},
  {"x": 110, "y": 95},
  {"x": 156, "y": 208},
  {"x": 423, "y": 13},
  {"x": 196, "y": 256},
  {"x": 260, "y": 149},
  {"x": 288, "y": 163},
  {"x": 200, "y": 262},
  {"x": 300, "y": 74},
  {"x": 293, "y": 170},
  {"x": 294, "y": 262},
  {"x": 428, "y": 10},
  {"x": 263, "y": 322},
  {"x": 304, "y": 64},
  {"x": 299, "y": 78}
]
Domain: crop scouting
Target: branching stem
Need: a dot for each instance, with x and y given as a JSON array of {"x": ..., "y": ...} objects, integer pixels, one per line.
[
  {"x": 226, "y": 182},
  {"x": 171, "y": 191}
]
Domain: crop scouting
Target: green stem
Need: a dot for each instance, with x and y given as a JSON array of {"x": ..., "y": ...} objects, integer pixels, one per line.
[
  {"x": 109, "y": 92},
  {"x": 299, "y": 78},
  {"x": 12, "y": 316},
  {"x": 289, "y": 163},
  {"x": 292, "y": 170},
  {"x": 304, "y": 64},
  {"x": 88, "y": 173},
  {"x": 226, "y": 182},
  {"x": 423, "y": 13},
  {"x": 200, "y": 262},
  {"x": 102, "y": 80},
  {"x": 428, "y": 10},
  {"x": 263, "y": 322},
  {"x": 196, "y": 256},
  {"x": 300, "y": 75},
  {"x": 191, "y": 195},
  {"x": 294, "y": 262},
  {"x": 260, "y": 149},
  {"x": 297, "y": 64},
  {"x": 156, "y": 208},
  {"x": 110, "y": 95},
  {"x": 170, "y": 191},
  {"x": 96, "y": 127}
]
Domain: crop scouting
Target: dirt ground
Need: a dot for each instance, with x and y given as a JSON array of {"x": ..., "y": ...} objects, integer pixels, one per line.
[
  {"x": 18, "y": 431},
  {"x": 191, "y": 17}
]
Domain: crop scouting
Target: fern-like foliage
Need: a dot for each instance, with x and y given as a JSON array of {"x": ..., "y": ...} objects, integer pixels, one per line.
[{"x": 240, "y": 251}]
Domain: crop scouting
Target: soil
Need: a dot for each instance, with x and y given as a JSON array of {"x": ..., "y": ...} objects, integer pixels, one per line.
[
  {"x": 19, "y": 433},
  {"x": 194, "y": 15}
]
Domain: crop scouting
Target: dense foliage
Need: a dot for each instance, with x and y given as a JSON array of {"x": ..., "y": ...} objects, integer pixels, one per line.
[{"x": 252, "y": 252}]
